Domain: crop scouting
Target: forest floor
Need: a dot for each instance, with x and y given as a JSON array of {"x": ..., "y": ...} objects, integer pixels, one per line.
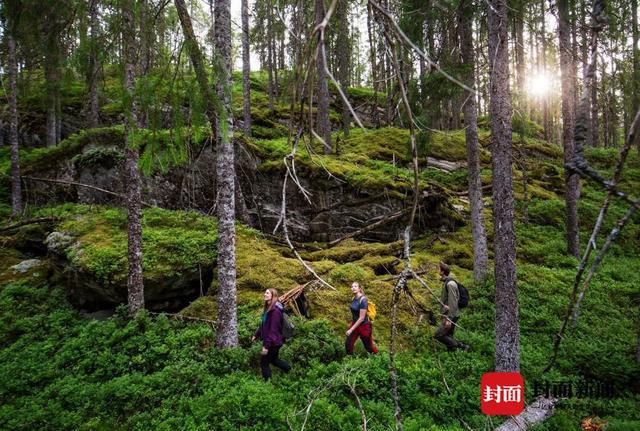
[{"x": 64, "y": 370}]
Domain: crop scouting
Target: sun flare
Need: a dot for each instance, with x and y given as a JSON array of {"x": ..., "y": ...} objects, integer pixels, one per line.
[{"x": 539, "y": 85}]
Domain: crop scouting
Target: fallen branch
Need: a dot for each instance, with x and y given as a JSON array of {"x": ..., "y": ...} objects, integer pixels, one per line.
[
  {"x": 367, "y": 228},
  {"x": 28, "y": 222},
  {"x": 351, "y": 384},
  {"x": 282, "y": 241},
  {"x": 74, "y": 183},
  {"x": 537, "y": 412},
  {"x": 183, "y": 317},
  {"x": 484, "y": 188}
]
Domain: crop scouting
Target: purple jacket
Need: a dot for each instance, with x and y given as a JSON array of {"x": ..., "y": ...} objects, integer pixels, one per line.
[{"x": 270, "y": 330}]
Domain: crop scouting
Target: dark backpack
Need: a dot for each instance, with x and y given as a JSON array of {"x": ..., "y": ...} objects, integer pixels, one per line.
[
  {"x": 287, "y": 327},
  {"x": 463, "y": 293}
]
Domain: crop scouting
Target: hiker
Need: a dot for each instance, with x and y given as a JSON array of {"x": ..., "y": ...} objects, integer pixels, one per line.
[
  {"x": 450, "y": 311},
  {"x": 270, "y": 332},
  {"x": 360, "y": 324}
]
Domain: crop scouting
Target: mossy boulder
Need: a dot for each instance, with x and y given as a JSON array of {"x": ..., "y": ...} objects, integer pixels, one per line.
[{"x": 179, "y": 253}]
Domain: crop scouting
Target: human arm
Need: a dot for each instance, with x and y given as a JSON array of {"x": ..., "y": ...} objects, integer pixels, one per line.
[{"x": 258, "y": 334}]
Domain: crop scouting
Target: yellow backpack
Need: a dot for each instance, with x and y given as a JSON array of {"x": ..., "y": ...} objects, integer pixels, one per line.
[{"x": 371, "y": 310}]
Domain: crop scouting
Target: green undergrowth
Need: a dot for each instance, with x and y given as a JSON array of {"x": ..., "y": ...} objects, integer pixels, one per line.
[{"x": 64, "y": 371}]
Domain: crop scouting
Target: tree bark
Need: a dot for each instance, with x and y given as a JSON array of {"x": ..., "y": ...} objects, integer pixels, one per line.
[
  {"x": 135, "y": 287},
  {"x": 507, "y": 327},
  {"x": 221, "y": 125},
  {"x": 480, "y": 253},
  {"x": 584, "y": 52},
  {"x": 227, "y": 327},
  {"x": 375, "y": 118},
  {"x": 595, "y": 121},
  {"x": 519, "y": 53},
  {"x": 323, "y": 126},
  {"x": 636, "y": 60},
  {"x": 343, "y": 42},
  {"x": 568, "y": 112},
  {"x": 16, "y": 190},
  {"x": 270, "y": 60},
  {"x": 52, "y": 81},
  {"x": 92, "y": 73},
  {"x": 246, "y": 68},
  {"x": 545, "y": 103},
  {"x": 536, "y": 413}
]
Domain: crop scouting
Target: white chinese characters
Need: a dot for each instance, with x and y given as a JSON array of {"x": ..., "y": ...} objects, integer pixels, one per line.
[{"x": 503, "y": 394}]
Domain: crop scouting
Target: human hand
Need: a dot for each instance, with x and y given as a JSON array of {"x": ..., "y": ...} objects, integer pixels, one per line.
[
  {"x": 446, "y": 308},
  {"x": 264, "y": 351},
  {"x": 253, "y": 338},
  {"x": 447, "y": 323},
  {"x": 348, "y": 332}
]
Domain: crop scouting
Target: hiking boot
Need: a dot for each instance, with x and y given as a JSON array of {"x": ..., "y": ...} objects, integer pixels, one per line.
[{"x": 464, "y": 347}]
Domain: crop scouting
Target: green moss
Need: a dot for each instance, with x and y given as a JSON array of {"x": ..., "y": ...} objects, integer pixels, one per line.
[
  {"x": 539, "y": 147},
  {"x": 103, "y": 157},
  {"x": 447, "y": 145},
  {"x": 260, "y": 266},
  {"x": 550, "y": 212},
  {"x": 381, "y": 144},
  {"x": 351, "y": 250},
  {"x": 8, "y": 258},
  {"x": 350, "y": 272},
  {"x": 359, "y": 94},
  {"x": 204, "y": 307},
  {"x": 173, "y": 241},
  {"x": 40, "y": 159}
]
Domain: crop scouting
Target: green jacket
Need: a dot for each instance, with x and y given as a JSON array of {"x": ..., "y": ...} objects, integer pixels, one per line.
[{"x": 449, "y": 297}]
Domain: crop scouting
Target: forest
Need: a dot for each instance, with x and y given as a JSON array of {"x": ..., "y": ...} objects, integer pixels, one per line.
[{"x": 204, "y": 204}]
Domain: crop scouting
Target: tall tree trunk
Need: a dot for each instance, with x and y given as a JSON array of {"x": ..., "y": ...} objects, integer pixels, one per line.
[
  {"x": 545, "y": 103},
  {"x": 584, "y": 52},
  {"x": 52, "y": 82},
  {"x": 568, "y": 111},
  {"x": 246, "y": 68},
  {"x": 135, "y": 287},
  {"x": 16, "y": 191},
  {"x": 519, "y": 54},
  {"x": 227, "y": 321},
  {"x": 636, "y": 61},
  {"x": 58, "y": 107},
  {"x": 270, "y": 60},
  {"x": 92, "y": 72},
  {"x": 375, "y": 118},
  {"x": 595, "y": 120},
  {"x": 507, "y": 327},
  {"x": 480, "y": 253},
  {"x": 144, "y": 52},
  {"x": 323, "y": 126},
  {"x": 342, "y": 21}
]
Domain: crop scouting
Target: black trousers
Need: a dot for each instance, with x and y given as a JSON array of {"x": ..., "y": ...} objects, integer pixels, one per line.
[
  {"x": 272, "y": 358},
  {"x": 445, "y": 335}
]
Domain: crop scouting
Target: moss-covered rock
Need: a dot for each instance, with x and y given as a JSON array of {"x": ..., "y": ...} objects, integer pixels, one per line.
[{"x": 179, "y": 252}]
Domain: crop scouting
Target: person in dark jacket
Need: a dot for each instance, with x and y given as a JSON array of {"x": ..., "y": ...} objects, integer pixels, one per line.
[
  {"x": 450, "y": 311},
  {"x": 270, "y": 332},
  {"x": 360, "y": 324}
]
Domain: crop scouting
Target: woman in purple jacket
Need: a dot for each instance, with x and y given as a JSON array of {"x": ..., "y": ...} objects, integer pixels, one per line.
[{"x": 270, "y": 332}]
